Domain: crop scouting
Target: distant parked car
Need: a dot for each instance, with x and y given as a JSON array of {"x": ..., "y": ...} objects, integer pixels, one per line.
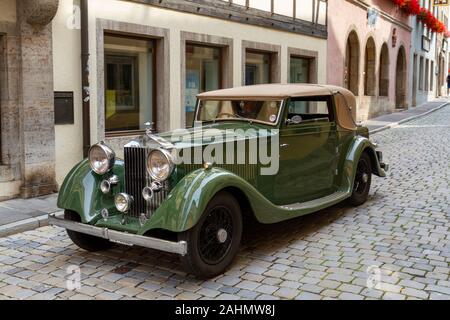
[{"x": 319, "y": 157}]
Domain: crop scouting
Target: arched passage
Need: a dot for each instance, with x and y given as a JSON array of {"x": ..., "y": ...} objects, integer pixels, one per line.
[
  {"x": 351, "y": 76},
  {"x": 369, "y": 68},
  {"x": 400, "y": 79},
  {"x": 384, "y": 71}
]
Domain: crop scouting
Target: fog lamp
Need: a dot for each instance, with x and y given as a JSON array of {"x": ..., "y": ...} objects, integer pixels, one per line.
[{"x": 123, "y": 202}]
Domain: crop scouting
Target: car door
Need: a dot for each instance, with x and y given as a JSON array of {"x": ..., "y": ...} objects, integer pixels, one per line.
[{"x": 308, "y": 159}]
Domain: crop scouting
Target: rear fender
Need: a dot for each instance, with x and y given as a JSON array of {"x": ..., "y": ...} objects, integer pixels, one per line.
[{"x": 357, "y": 147}]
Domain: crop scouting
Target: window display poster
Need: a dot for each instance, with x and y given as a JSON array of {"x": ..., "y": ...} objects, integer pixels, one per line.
[
  {"x": 192, "y": 89},
  {"x": 110, "y": 103}
]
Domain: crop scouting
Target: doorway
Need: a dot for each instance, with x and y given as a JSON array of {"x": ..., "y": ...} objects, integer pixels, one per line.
[
  {"x": 351, "y": 72},
  {"x": 400, "y": 79}
]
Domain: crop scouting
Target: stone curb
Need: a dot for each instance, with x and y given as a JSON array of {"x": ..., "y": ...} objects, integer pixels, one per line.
[
  {"x": 41, "y": 221},
  {"x": 393, "y": 124},
  {"x": 23, "y": 225}
]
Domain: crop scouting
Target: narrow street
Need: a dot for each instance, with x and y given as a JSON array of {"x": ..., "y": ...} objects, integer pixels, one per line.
[{"x": 396, "y": 246}]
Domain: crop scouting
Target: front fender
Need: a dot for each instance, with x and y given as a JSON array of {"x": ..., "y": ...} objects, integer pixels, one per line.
[
  {"x": 80, "y": 191},
  {"x": 357, "y": 147},
  {"x": 187, "y": 201}
]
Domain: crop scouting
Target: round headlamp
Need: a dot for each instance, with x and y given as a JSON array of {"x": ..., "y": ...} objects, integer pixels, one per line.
[
  {"x": 123, "y": 202},
  {"x": 159, "y": 164},
  {"x": 101, "y": 158}
]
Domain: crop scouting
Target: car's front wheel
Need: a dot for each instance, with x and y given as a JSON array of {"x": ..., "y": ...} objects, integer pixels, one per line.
[
  {"x": 85, "y": 241},
  {"x": 363, "y": 179},
  {"x": 214, "y": 241}
]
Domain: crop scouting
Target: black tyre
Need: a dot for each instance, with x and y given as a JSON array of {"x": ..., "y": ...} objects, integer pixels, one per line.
[
  {"x": 363, "y": 179},
  {"x": 85, "y": 241},
  {"x": 214, "y": 241}
]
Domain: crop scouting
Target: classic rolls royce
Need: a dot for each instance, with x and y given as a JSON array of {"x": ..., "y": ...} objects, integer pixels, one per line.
[{"x": 274, "y": 152}]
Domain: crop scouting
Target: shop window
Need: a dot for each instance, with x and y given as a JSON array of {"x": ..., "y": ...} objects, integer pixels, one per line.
[
  {"x": 129, "y": 83},
  {"x": 203, "y": 73},
  {"x": 421, "y": 73},
  {"x": 257, "y": 67},
  {"x": 300, "y": 70}
]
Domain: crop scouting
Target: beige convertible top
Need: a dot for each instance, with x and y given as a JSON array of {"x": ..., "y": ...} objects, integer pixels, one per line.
[{"x": 345, "y": 100}]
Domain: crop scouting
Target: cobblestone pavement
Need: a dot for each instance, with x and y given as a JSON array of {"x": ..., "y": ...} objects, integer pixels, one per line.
[{"x": 396, "y": 246}]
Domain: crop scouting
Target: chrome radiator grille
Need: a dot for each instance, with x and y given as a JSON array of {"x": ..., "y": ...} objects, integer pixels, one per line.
[{"x": 136, "y": 179}]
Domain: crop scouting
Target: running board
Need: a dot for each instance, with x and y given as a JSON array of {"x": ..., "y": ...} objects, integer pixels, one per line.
[{"x": 332, "y": 198}]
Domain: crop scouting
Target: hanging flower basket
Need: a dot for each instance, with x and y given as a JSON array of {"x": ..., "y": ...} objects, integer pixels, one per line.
[{"x": 413, "y": 8}]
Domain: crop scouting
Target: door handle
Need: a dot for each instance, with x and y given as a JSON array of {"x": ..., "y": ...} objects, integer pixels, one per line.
[{"x": 284, "y": 145}]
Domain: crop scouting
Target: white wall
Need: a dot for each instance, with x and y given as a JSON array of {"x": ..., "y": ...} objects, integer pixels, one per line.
[{"x": 67, "y": 59}]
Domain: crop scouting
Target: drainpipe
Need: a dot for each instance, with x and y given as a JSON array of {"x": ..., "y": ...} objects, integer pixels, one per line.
[{"x": 85, "y": 76}]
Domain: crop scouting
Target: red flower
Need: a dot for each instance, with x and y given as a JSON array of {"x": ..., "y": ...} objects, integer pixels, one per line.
[{"x": 412, "y": 7}]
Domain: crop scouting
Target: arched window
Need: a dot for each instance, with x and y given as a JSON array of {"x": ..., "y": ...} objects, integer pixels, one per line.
[
  {"x": 369, "y": 68},
  {"x": 351, "y": 72},
  {"x": 384, "y": 71}
]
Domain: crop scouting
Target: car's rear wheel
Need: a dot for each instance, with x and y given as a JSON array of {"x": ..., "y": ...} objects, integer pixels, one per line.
[
  {"x": 214, "y": 241},
  {"x": 85, "y": 241},
  {"x": 363, "y": 179}
]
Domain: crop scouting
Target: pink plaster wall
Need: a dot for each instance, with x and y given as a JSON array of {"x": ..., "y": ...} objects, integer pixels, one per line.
[{"x": 345, "y": 16}]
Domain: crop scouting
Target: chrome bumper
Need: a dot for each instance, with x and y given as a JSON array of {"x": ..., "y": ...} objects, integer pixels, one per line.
[{"x": 120, "y": 237}]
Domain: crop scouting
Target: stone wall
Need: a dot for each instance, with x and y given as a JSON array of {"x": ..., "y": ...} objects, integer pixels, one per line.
[{"x": 27, "y": 113}]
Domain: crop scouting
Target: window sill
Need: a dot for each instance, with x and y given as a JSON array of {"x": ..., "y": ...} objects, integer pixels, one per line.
[{"x": 118, "y": 134}]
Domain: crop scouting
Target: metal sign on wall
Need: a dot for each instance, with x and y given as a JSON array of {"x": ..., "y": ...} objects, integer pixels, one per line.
[{"x": 372, "y": 17}]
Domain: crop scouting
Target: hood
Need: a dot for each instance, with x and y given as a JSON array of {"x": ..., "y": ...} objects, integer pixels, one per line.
[{"x": 222, "y": 132}]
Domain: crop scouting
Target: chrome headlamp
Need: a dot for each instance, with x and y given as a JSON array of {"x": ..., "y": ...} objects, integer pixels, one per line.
[
  {"x": 160, "y": 164},
  {"x": 101, "y": 158},
  {"x": 123, "y": 202}
]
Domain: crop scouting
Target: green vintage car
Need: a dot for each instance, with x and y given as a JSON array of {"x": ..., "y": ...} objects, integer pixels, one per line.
[{"x": 274, "y": 152}]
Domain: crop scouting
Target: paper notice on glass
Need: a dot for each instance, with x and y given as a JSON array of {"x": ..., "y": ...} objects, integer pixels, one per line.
[{"x": 192, "y": 89}]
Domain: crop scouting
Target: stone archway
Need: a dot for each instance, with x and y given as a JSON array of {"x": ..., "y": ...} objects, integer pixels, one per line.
[
  {"x": 369, "y": 68},
  {"x": 384, "y": 71},
  {"x": 400, "y": 79},
  {"x": 351, "y": 72}
]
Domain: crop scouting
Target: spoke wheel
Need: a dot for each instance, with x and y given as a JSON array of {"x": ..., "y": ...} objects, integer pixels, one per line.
[
  {"x": 363, "y": 179},
  {"x": 216, "y": 235},
  {"x": 214, "y": 241}
]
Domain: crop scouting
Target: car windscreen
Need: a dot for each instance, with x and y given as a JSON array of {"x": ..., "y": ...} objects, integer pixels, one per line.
[{"x": 262, "y": 111}]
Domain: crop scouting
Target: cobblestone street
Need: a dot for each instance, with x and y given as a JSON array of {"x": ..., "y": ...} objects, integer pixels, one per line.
[{"x": 396, "y": 246}]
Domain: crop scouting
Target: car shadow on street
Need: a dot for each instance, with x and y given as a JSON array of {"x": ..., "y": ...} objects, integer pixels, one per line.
[{"x": 259, "y": 240}]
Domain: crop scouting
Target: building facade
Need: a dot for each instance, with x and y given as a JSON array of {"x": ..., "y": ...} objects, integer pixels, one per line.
[
  {"x": 369, "y": 54},
  {"x": 428, "y": 59},
  {"x": 27, "y": 136},
  {"x": 149, "y": 59}
]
